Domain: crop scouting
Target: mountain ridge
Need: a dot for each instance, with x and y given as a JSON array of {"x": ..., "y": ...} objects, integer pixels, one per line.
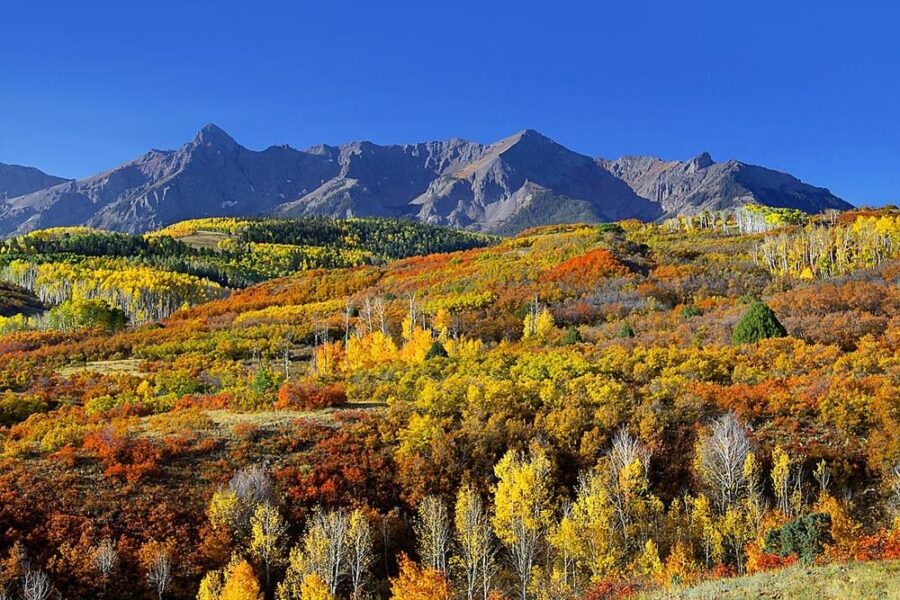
[
  {"x": 522, "y": 180},
  {"x": 16, "y": 180}
]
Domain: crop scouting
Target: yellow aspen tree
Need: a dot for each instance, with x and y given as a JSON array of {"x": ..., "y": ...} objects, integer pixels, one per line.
[
  {"x": 442, "y": 323},
  {"x": 322, "y": 551},
  {"x": 474, "y": 539},
  {"x": 211, "y": 586},
  {"x": 594, "y": 519},
  {"x": 647, "y": 565},
  {"x": 754, "y": 501},
  {"x": 313, "y": 588},
  {"x": 564, "y": 540},
  {"x": 359, "y": 551},
  {"x": 703, "y": 522},
  {"x": 544, "y": 325},
  {"x": 267, "y": 531},
  {"x": 432, "y": 528},
  {"x": 522, "y": 509},
  {"x": 781, "y": 479},
  {"x": 241, "y": 583}
]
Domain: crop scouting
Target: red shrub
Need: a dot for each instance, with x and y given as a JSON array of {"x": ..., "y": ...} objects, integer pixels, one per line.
[
  {"x": 307, "y": 395},
  {"x": 611, "y": 590}
]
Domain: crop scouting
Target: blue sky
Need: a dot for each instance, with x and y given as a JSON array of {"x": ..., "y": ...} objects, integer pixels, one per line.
[{"x": 810, "y": 88}]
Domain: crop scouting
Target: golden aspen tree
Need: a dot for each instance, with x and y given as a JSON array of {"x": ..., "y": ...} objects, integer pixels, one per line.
[
  {"x": 647, "y": 565},
  {"x": 564, "y": 539},
  {"x": 538, "y": 322},
  {"x": 241, "y": 583},
  {"x": 313, "y": 588},
  {"x": 522, "y": 509},
  {"x": 267, "y": 531},
  {"x": 359, "y": 550},
  {"x": 432, "y": 528},
  {"x": 474, "y": 539},
  {"x": 442, "y": 323},
  {"x": 594, "y": 520},
  {"x": 322, "y": 551},
  {"x": 781, "y": 480},
  {"x": 211, "y": 585},
  {"x": 706, "y": 529}
]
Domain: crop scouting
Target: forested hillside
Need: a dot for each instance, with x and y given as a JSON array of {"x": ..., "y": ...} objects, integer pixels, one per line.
[
  {"x": 149, "y": 277},
  {"x": 580, "y": 411}
]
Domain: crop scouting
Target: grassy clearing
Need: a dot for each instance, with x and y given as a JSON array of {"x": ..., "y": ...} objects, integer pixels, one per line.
[
  {"x": 223, "y": 423},
  {"x": 266, "y": 420},
  {"x": 851, "y": 581},
  {"x": 204, "y": 239},
  {"x": 105, "y": 367}
]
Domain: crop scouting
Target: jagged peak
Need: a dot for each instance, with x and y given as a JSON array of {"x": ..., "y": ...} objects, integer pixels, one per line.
[
  {"x": 212, "y": 134},
  {"x": 701, "y": 161}
]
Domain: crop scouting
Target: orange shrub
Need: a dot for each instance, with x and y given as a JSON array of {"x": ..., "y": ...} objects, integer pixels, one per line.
[
  {"x": 585, "y": 269},
  {"x": 307, "y": 395}
]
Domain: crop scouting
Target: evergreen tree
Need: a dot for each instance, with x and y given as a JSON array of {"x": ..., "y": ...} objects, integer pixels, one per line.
[
  {"x": 627, "y": 331},
  {"x": 758, "y": 323}
]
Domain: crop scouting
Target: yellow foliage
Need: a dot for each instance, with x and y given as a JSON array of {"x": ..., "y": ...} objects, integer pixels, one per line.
[
  {"x": 313, "y": 588},
  {"x": 241, "y": 583}
]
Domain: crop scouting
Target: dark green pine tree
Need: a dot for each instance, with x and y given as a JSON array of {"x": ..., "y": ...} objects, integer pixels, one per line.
[{"x": 758, "y": 323}]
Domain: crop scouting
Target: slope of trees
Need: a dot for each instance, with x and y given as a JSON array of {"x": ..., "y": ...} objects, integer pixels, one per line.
[{"x": 560, "y": 415}]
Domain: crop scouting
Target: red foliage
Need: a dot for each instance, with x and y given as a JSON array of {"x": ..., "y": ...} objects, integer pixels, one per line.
[
  {"x": 585, "y": 269},
  {"x": 209, "y": 402},
  {"x": 131, "y": 459},
  {"x": 307, "y": 395},
  {"x": 611, "y": 590},
  {"x": 884, "y": 545}
]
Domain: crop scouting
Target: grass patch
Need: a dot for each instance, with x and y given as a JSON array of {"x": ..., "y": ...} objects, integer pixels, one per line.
[
  {"x": 105, "y": 367},
  {"x": 204, "y": 239},
  {"x": 846, "y": 581}
]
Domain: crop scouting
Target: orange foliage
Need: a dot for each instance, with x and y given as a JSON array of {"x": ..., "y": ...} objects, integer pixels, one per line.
[
  {"x": 306, "y": 394},
  {"x": 758, "y": 560},
  {"x": 419, "y": 583},
  {"x": 584, "y": 270}
]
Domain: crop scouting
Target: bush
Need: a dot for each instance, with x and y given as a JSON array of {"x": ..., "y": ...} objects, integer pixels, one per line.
[
  {"x": 758, "y": 323},
  {"x": 573, "y": 336},
  {"x": 627, "y": 331},
  {"x": 689, "y": 311},
  {"x": 805, "y": 537},
  {"x": 307, "y": 395}
]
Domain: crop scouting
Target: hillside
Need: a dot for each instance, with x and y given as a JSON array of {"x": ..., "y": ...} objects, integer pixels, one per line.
[
  {"x": 150, "y": 276},
  {"x": 521, "y": 181},
  {"x": 584, "y": 366}
]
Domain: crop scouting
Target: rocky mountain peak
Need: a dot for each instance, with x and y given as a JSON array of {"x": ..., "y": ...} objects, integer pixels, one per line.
[
  {"x": 520, "y": 181},
  {"x": 701, "y": 161},
  {"x": 211, "y": 135}
]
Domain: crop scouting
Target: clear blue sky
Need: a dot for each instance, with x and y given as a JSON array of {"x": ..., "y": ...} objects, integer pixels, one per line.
[{"x": 806, "y": 87}]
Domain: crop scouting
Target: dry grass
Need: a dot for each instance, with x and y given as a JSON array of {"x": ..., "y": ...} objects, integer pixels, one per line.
[
  {"x": 105, "y": 367},
  {"x": 204, "y": 239},
  {"x": 850, "y": 581}
]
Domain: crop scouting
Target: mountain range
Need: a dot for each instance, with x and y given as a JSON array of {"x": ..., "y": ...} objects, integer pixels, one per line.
[{"x": 524, "y": 180}]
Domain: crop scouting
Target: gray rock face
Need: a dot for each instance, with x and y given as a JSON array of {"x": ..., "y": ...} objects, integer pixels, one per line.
[
  {"x": 689, "y": 187},
  {"x": 16, "y": 180},
  {"x": 528, "y": 179},
  {"x": 380, "y": 181},
  {"x": 518, "y": 182}
]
